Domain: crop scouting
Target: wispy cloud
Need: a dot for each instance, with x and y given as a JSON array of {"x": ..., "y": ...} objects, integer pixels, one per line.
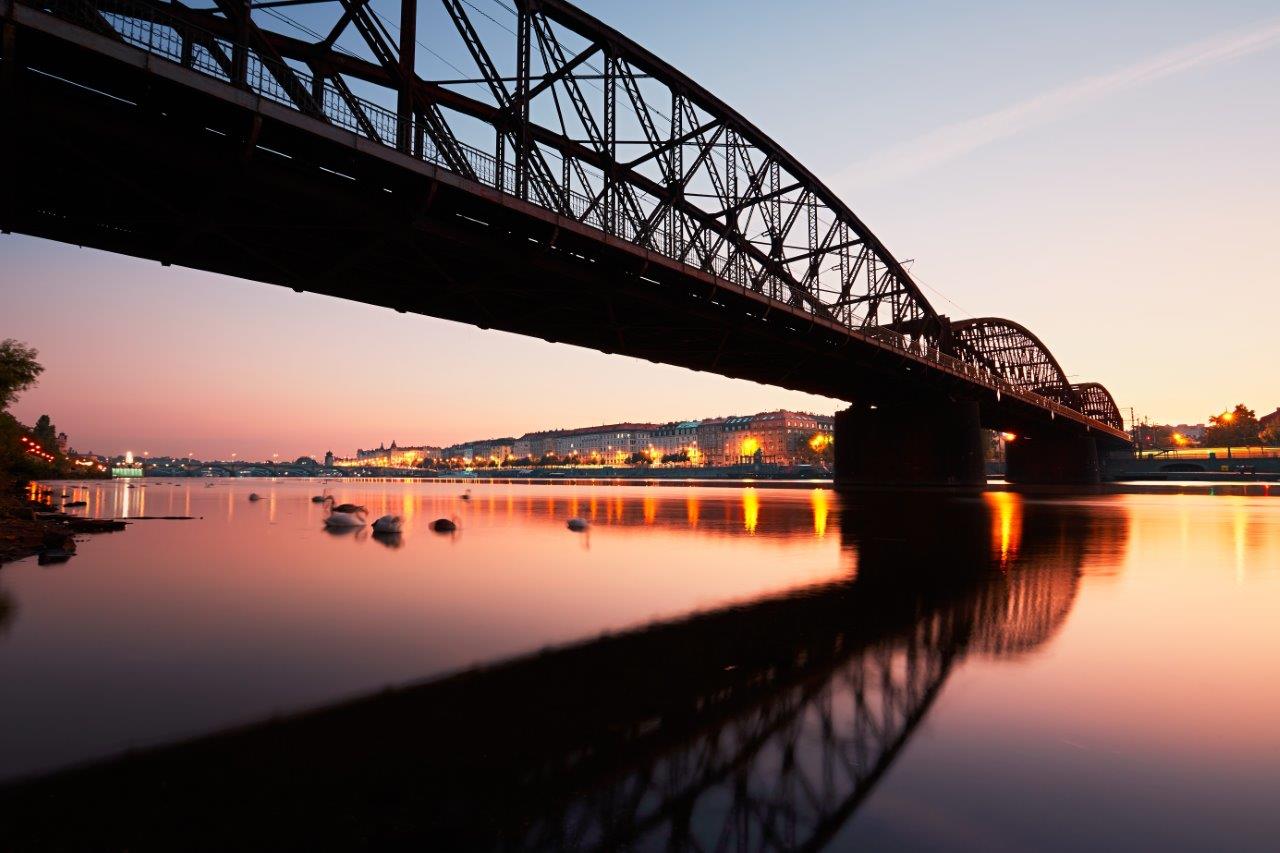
[{"x": 955, "y": 140}]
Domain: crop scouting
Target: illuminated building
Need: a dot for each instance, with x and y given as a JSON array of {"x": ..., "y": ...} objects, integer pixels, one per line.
[
  {"x": 677, "y": 437},
  {"x": 535, "y": 445},
  {"x": 607, "y": 444},
  {"x": 779, "y": 437},
  {"x": 385, "y": 457},
  {"x": 711, "y": 443},
  {"x": 782, "y": 437}
]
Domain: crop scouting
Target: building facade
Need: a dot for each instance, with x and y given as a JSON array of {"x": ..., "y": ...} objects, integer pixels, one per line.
[
  {"x": 607, "y": 444},
  {"x": 385, "y": 457},
  {"x": 780, "y": 437},
  {"x": 535, "y": 445}
]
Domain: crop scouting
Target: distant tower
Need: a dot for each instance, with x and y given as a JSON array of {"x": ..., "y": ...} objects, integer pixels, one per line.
[{"x": 328, "y": 459}]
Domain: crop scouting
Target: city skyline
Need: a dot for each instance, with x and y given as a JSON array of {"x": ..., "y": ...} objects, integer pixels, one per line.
[{"x": 1117, "y": 131}]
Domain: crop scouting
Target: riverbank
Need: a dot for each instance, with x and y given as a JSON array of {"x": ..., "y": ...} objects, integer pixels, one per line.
[{"x": 29, "y": 528}]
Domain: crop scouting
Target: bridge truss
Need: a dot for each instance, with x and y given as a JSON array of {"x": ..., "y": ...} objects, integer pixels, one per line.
[
  {"x": 557, "y": 109},
  {"x": 541, "y": 102}
]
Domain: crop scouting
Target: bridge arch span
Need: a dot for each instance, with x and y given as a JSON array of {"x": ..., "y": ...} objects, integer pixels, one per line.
[
  {"x": 1096, "y": 402},
  {"x": 1015, "y": 354}
]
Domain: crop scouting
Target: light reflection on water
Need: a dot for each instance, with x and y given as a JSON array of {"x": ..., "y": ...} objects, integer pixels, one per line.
[{"x": 732, "y": 665}]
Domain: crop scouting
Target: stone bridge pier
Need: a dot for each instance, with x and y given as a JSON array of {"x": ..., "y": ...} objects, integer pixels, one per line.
[
  {"x": 1055, "y": 459},
  {"x": 935, "y": 440},
  {"x": 930, "y": 441}
]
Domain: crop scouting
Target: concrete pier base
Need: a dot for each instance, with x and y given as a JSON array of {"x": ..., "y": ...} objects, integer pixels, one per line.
[
  {"x": 1053, "y": 460},
  {"x": 934, "y": 442}
]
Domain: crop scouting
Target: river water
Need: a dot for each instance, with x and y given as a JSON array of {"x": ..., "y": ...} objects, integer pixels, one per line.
[{"x": 716, "y": 667}]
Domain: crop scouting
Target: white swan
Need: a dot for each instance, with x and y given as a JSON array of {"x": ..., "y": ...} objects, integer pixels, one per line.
[
  {"x": 388, "y": 524},
  {"x": 344, "y": 515}
]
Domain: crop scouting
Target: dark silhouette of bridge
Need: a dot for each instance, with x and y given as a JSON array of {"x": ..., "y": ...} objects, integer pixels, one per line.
[
  {"x": 566, "y": 184},
  {"x": 758, "y": 726}
]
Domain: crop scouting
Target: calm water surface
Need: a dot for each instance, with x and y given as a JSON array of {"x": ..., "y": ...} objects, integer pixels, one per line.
[{"x": 709, "y": 667}]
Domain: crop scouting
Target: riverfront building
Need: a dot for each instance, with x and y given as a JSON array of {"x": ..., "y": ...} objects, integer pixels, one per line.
[
  {"x": 785, "y": 436},
  {"x": 535, "y": 445},
  {"x": 607, "y": 444},
  {"x": 780, "y": 437},
  {"x": 387, "y": 457},
  {"x": 489, "y": 450}
]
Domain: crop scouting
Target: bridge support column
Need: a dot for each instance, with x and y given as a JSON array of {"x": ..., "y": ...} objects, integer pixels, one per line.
[
  {"x": 1053, "y": 460},
  {"x": 935, "y": 442}
]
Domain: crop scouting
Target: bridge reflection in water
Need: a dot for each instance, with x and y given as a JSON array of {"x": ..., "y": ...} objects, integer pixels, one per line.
[{"x": 758, "y": 726}]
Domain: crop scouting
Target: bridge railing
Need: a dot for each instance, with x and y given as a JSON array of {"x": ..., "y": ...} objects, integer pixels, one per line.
[{"x": 148, "y": 27}]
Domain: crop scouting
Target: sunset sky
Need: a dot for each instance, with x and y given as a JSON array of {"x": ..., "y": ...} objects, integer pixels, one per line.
[{"x": 1106, "y": 176}]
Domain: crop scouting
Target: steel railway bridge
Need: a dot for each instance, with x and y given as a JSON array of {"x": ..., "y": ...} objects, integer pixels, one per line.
[
  {"x": 554, "y": 179},
  {"x": 760, "y": 726}
]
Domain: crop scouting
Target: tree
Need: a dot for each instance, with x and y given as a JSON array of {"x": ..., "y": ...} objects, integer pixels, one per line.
[
  {"x": 1238, "y": 426},
  {"x": 19, "y": 370},
  {"x": 1271, "y": 433},
  {"x": 45, "y": 432}
]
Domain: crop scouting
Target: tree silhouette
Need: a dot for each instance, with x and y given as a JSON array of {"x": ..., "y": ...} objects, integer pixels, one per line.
[
  {"x": 19, "y": 370},
  {"x": 1238, "y": 426},
  {"x": 45, "y": 432}
]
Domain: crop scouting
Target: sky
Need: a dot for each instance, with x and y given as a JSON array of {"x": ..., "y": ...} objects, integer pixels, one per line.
[{"x": 1105, "y": 174}]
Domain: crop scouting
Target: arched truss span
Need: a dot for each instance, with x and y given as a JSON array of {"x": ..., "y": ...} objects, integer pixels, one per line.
[
  {"x": 546, "y": 104},
  {"x": 1012, "y": 352},
  {"x": 1096, "y": 402},
  {"x": 542, "y": 101}
]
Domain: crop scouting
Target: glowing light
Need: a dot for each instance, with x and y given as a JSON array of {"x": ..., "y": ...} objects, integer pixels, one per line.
[
  {"x": 1008, "y": 436},
  {"x": 750, "y": 509},
  {"x": 1006, "y": 526},
  {"x": 750, "y": 445},
  {"x": 818, "y": 497},
  {"x": 128, "y": 457}
]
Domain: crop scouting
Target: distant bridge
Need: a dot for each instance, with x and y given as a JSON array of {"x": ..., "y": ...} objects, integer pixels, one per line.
[{"x": 567, "y": 184}]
